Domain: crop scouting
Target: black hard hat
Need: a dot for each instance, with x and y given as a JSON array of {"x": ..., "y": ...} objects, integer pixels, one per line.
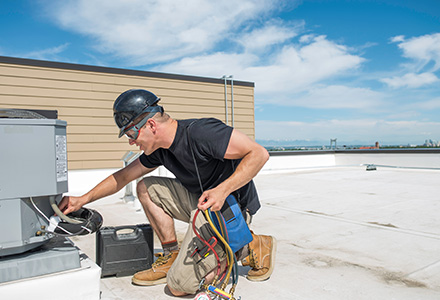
[{"x": 131, "y": 104}]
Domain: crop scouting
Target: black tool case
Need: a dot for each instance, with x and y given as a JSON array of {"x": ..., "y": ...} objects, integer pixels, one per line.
[{"x": 124, "y": 250}]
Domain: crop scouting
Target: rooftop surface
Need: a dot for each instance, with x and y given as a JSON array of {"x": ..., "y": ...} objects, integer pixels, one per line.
[{"x": 342, "y": 232}]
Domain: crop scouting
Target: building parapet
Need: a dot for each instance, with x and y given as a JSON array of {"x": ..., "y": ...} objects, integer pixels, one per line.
[{"x": 288, "y": 161}]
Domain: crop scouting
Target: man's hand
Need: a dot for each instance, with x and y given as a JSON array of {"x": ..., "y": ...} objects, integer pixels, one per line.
[
  {"x": 107, "y": 187},
  {"x": 213, "y": 199},
  {"x": 70, "y": 204}
]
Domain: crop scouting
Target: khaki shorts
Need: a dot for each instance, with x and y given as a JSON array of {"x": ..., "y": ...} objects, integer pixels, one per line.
[{"x": 186, "y": 272}]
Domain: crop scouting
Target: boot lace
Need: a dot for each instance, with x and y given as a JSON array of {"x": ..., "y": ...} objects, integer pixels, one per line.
[
  {"x": 253, "y": 259},
  {"x": 161, "y": 260}
]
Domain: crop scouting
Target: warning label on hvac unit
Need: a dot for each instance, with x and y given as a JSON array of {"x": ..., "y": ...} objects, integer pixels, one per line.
[{"x": 61, "y": 155}]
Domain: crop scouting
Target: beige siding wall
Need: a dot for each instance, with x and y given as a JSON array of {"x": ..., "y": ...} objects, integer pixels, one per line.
[{"x": 85, "y": 99}]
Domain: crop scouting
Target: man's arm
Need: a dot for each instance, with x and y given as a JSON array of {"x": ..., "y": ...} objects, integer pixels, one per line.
[
  {"x": 253, "y": 157},
  {"x": 108, "y": 186}
]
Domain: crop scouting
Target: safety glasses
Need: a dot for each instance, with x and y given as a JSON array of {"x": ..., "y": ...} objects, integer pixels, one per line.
[
  {"x": 132, "y": 131},
  {"x": 124, "y": 120}
]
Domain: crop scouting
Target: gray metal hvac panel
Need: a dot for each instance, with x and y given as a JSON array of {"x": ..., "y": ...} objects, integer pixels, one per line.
[
  {"x": 33, "y": 157},
  {"x": 56, "y": 256},
  {"x": 23, "y": 227}
]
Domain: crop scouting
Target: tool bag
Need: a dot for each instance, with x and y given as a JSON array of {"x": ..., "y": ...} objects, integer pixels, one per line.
[{"x": 238, "y": 233}]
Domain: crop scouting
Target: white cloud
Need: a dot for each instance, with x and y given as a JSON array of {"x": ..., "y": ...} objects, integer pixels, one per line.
[
  {"x": 338, "y": 96},
  {"x": 397, "y": 39},
  {"x": 307, "y": 38},
  {"x": 48, "y": 53},
  {"x": 363, "y": 130},
  {"x": 148, "y": 31},
  {"x": 411, "y": 80},
  {"x": 424, "y": 55},
  {"x": 422, "y": 50},
  {"x": 212, "y": 65},
  {"x": 425, "y": 105},
  {"x": 272, "y": 33},
  {"x": 292, "y": 69},
  {"x": 320, "y": 56},
  {"x": 298, "y": 66},
  {"x": 430, "y": 104}
]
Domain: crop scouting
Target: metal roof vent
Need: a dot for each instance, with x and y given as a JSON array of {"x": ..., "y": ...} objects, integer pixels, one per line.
[{"x": 371, "y": 168}]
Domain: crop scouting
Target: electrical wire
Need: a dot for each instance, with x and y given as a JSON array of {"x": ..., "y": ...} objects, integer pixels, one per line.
[
  {"x": 235, "y": 268},
  {"x": 56, "y": 224},
  {"x": 230, "y": 254},
  {"x": 222, "y": 224},
  {"x": 227, "y": 257},
  {"x": 228, "y": 248},
  {"x": 48, "y": 220},
  {"x": 231, "y": 259},
  {"x": 59, "y": 213},
  {"x": 206, "y": 243},
  {"x": 226, "y": 235}
]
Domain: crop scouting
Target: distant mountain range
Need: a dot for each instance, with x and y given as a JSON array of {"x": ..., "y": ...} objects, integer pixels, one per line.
[
  {"x": 326, "y": 144},
  {"x": 291, "y": 143},
  {"x": 309, "y": 143}
]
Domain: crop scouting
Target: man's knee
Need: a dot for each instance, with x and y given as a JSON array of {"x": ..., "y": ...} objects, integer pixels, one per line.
[
  {"x": 181, "y": 285},
  {"x": 142, "y": 193},
  {"x": 176, "y": 292},
  {"x": 143, "y": 187},
  {"x": 150, "y": 190}
]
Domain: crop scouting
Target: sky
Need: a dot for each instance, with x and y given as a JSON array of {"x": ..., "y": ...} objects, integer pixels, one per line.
[{"x": 359, "y": 71}]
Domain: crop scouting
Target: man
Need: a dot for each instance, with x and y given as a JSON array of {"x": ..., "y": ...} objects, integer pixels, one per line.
[{"x": 210, "y": 161}]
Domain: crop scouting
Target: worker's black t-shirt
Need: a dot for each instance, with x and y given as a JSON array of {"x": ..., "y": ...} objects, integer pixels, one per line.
[{"x": 209, "y": 140}]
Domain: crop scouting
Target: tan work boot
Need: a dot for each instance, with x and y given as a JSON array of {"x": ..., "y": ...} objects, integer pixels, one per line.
[
  {"x": 261, "y": 257},
  {"x": 157, "y": 274}
]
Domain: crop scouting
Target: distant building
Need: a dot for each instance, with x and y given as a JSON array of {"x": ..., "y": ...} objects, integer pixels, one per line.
[
  {"x": 431, "y": 143},
  {"x": 376, "y": 146}
]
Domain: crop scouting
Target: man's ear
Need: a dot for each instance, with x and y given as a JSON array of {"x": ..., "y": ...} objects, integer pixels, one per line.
[{"x": 151, "y": 125}]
